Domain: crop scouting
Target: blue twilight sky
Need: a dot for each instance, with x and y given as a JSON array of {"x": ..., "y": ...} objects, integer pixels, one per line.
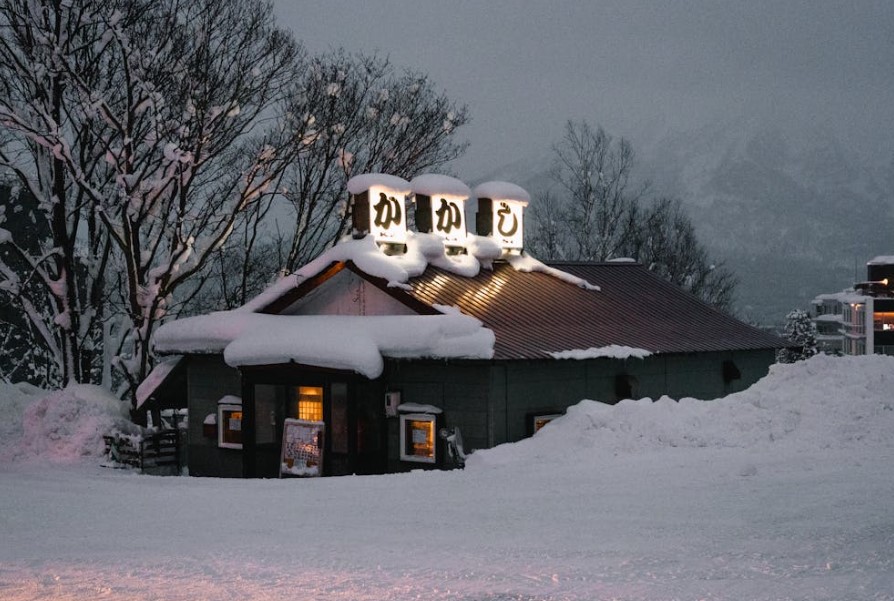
[{"x": 637, "y": 68}]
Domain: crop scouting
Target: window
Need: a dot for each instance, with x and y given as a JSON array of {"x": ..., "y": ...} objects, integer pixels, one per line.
[
  {"x": 229, "y": 426},
  {"x": 310, "y": 403},
  {"x": 417, "y": 437},
  {"x": 538, "y": 421},
  {"x": 883, "y": 321}
]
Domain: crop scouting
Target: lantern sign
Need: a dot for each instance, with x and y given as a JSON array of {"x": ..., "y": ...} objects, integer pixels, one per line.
[
  {"x": 379, "y": 207},
  {"x": 441, "y": 207},
  {"x": 501, "y": 207},
  {"x": 387, "y": 213}
]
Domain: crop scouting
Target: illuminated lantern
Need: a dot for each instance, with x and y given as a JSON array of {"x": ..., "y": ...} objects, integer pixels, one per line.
[
  {"x": 501, "y": 207},
  {"x": 441, "y": 207},
  {"x": 378, "y": 207}
]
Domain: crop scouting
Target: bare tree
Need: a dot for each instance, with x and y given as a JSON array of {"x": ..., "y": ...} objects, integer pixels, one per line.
[
  {"x": 347, "y": 114},
  {"x": 169, "y": 110},
  {"x": 54, "y": 270},
  {"x": 662, "y": 237},
  {"x": 596, "y": 212},
  {"x": 353, "y": 114},
  {"x": 593, "y": 172}
]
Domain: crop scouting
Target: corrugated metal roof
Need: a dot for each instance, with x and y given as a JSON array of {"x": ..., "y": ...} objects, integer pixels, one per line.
[{"x": 533, "y": 314}]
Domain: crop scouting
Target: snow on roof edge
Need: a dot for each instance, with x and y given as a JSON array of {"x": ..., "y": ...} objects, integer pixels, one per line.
[
  {"x": 354, "y": 343},
  {"x": 612, "y": 351}
]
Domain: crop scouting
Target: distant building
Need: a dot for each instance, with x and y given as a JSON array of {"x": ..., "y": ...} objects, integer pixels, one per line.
[
  {"x": 827, "y": 316},
  {"x": 376, "y": 356},
  {"x": 860, "y": 320}
]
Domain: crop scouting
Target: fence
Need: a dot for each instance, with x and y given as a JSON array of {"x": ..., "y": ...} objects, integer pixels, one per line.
[{"x": 158, "y": 452}]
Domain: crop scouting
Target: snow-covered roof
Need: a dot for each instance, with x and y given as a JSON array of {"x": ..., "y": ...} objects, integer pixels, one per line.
[
  {"x": 155, "y": 379},
  {"x": 422, "y": 250},
  {"x": 361, "y": 183},
  {"x": 430, "y": 184},
  {"x": 501, "y": 191},
  {"x": 882, "y": 260},
  {"x": 353, "y": 343}
]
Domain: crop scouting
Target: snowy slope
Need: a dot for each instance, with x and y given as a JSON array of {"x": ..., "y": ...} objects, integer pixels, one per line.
[{"x": 779, "y": 492}]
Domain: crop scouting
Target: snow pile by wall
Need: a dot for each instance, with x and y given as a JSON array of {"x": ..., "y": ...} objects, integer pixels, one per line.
[
  {"x": 62, "y": 426},
  {"x": 824, "y": 402}
]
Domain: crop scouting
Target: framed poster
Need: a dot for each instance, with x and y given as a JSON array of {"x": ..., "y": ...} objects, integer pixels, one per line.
[{"x": 302, "y": 448}]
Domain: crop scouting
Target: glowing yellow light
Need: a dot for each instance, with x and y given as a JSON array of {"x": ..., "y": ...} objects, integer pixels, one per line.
[{"x": 310, "y": 403}]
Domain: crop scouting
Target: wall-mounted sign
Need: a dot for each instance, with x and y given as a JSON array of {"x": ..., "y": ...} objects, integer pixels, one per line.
[
  {"x": 417, "y": 437},
  {"x": 501, "y": 207}
]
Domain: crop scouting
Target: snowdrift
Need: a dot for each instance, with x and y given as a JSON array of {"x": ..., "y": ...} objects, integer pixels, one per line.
[
  {"x": 822, "y": 403},
  {"x": 63, "y": 426}
]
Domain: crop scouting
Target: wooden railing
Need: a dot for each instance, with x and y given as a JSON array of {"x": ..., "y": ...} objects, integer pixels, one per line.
[{"x": 158, "y": 451}]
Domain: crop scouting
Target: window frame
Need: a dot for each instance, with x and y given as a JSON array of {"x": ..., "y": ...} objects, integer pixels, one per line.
[
  {"x": 431, "y": 418},
  {"x": 222, "y": 426}
]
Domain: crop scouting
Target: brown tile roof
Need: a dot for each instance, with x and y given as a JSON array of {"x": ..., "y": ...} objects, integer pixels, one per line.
[{"x": 533, "y": 314}]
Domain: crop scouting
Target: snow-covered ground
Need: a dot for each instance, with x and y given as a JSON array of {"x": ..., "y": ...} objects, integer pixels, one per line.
[{"x": 784, "y": 491}]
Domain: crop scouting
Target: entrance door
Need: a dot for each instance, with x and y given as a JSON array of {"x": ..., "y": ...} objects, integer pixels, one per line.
[{"x": 327, "y": 404}]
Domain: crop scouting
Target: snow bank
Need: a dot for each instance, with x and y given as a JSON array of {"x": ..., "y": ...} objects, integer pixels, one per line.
[
  {"x": 62, "y": 426},
  {"x": 824, "y": 402}
]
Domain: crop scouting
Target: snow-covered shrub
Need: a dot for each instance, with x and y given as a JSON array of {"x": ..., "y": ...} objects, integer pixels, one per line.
[{"x": 63, "y": 426}]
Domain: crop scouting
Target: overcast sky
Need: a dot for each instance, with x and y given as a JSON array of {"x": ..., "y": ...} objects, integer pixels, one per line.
[{"x": 637, "y": 68}]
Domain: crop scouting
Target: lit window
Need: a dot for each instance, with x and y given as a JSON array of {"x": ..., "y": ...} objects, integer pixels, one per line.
[
  {"x": 417, "y": 437},
  {"x": 229, "y": 431},
  {"x": 310, "y": 403},
  {"x": 538, "y": 421},
  {"x": 883, "y": 321}
]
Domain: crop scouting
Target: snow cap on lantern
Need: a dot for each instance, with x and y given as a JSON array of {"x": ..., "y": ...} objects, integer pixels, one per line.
[
  {"x": 441, "y": 207},
  {"x": 378, "y": 207},
  {"x": 500, "y": 214}
]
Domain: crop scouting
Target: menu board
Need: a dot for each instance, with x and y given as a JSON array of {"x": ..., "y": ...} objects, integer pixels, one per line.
[{"x": 302, "y": 448}]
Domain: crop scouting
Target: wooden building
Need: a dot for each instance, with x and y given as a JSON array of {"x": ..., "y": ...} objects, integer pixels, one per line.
[{"x": 373, "y": 357}]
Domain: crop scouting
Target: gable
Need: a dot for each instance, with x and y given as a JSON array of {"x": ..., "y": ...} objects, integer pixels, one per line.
[{"x": 346, "y": 293}]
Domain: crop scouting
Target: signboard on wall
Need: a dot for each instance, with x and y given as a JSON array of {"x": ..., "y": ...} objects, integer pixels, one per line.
[{"x": 302, "y": 448}]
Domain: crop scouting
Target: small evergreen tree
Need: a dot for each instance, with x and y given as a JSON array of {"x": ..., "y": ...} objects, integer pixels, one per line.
[{"x": 801, "y": 331}]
